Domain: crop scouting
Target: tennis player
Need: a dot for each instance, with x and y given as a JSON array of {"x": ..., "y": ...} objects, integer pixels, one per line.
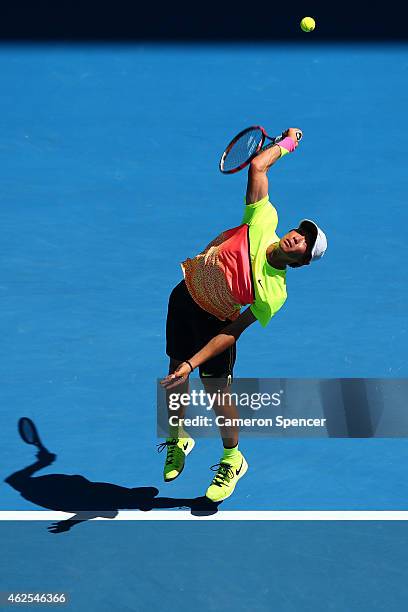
[{"x": 246, "y": 265}]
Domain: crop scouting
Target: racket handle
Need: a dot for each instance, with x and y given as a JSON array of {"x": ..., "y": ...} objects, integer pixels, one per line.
[
  {"x": 273, "y": 142},
  {"x": 277, "y": 140},
  {"x": 299, "y": 136}
]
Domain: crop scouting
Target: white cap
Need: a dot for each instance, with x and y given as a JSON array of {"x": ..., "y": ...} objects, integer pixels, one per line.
[{"x": 319, "y": 243}]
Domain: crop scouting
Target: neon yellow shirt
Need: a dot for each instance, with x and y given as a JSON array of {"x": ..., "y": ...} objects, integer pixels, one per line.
[{"x": 269, "y": 283}]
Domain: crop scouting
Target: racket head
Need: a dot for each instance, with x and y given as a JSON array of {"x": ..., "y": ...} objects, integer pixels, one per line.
[
  {"x": 242, "y": 149},
  {"x": 28, "y": 431}
]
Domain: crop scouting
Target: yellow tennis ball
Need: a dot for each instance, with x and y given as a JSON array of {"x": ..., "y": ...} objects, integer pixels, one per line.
[{"x": 308, "y": 24}]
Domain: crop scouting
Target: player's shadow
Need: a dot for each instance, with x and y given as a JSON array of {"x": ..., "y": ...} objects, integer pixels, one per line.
[{"x": 87, "y": 500}]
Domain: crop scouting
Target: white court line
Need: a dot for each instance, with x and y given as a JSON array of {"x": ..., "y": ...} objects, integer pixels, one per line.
[{"x": 228, "y": 515}]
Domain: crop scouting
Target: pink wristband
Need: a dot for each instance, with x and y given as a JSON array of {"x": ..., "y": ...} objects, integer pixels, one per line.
[{"x": 287, "y": 144}]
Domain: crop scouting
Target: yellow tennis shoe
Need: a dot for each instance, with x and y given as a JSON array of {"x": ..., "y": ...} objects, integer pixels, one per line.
[
  {"x": 226, "y": 478},
  {"x": 177, "y": 451}
]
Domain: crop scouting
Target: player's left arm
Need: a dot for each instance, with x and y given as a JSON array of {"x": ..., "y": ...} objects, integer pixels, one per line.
[{"x": 220, "y": 343}]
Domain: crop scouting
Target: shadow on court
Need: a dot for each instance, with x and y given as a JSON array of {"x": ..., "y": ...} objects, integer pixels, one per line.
[{"x": 88, "y": 500}]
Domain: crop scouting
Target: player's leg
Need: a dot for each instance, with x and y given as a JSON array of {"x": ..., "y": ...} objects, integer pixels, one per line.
[
  {"x": 179, "y": 347},
  {"x": 175, "y": 409},
  {"x": 178, "y": 443},
  {"x": 217, "y": 376}
]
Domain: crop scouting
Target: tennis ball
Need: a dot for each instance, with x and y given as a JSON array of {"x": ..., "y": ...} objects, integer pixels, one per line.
[{"x": 308, "y": 24}]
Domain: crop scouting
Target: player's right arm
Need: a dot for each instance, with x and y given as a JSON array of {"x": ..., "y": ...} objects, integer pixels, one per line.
[{"x": 257, "y": 186}]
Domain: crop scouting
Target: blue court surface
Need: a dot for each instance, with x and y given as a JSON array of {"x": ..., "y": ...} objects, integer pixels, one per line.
[
  {"x": 109, "y": 167},
  {"x": 283, "y": 566}
]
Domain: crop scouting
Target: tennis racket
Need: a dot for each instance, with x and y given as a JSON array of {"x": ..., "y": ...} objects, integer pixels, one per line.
[
  {"x": 28, "y": 432},
  {"x": 245, "y": 146}
]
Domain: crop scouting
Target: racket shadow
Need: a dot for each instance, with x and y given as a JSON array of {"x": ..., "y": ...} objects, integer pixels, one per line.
[{"x": 85, "y": 499}]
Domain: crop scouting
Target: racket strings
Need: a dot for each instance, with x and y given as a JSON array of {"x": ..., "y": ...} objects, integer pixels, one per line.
[
  {"x": 27, "y": 430},
  {"x": 242, "y": 149}
]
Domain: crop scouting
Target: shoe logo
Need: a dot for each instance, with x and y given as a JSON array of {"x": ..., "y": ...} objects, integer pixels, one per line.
[
  {"x": 185, "y": 446},
  {"x": 237, "y": 472},
  {"x": 259, "y": 281}
]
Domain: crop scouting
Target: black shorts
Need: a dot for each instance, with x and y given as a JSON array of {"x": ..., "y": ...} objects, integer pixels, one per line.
[{"x": 189, "y": 328}]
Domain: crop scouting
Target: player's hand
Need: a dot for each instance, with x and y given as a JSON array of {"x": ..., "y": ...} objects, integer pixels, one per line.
[
  {"x": 177, "y": 378},
  {"x": 294, "y": 134}
]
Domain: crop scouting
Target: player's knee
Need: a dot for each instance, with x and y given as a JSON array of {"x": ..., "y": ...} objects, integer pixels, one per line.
[{"x": 212, "y": 385}]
